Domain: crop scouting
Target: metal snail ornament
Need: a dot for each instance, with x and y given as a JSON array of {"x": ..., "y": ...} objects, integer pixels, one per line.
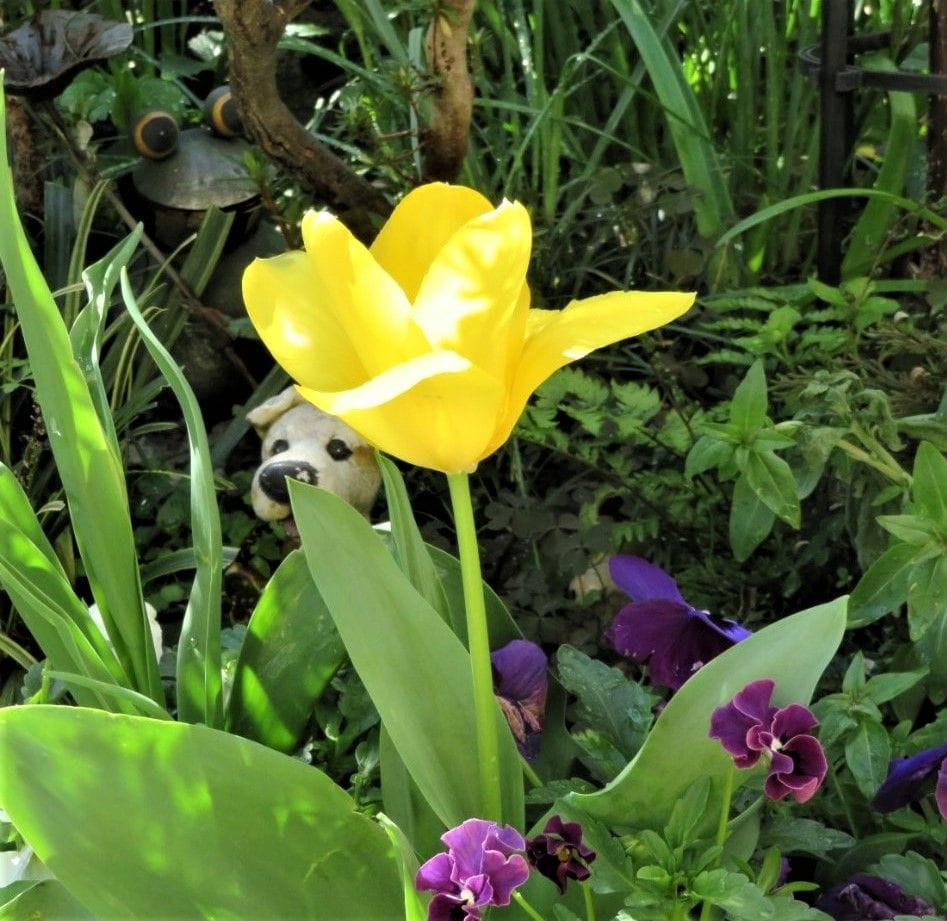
[{"x": 183, "y": 173}]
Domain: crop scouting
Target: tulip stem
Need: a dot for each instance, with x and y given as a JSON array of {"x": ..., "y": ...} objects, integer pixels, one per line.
[{"x": 478, "y": 643}]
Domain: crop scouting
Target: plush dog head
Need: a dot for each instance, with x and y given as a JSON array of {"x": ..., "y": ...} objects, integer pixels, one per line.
[{"x": 303, "y": 443}]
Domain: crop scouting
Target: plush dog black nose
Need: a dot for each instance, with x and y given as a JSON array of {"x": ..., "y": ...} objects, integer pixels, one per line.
[{"x": 274, "y": 475}]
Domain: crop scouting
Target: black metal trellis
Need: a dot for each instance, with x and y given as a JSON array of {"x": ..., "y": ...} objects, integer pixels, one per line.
[{"x": 832, "y": 62}]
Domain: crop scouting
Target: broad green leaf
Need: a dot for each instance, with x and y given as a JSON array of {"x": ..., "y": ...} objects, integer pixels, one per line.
[
  {"x": 502, "y": 626},
  {"x": 771, "y": 479},
  {"x": 748, "y": 406},
  {"x": 927, "y": 595},
  {"x": 916, "y": 875},
  {"x": 750, "y": 520},
  {"x": 198, "y": 686},
  {"x": 47, "y": 900},
  {"x": 867, "y": 754},
  {"x": 289, "y": 655},
  {"x": 732, "y": 892},
  {"x": 89, "y": 468},
  {"x": 793, "y": 652},
  {"x": 414, "y": 904},
  {"x": 140, "y": 818},
  {"x": 884, "y": 587},
  {"x": 409, "y": 548},
  {"x": 930, "y": 483},
  {"x": 413, "y": 666},
  {"x": 931, "y": 649}
]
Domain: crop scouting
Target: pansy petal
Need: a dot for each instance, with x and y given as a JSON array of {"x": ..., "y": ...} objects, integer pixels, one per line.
[
  {"x": 411, "y": 411},
  {"x": 556, "y": 337},
  {"x": 728, "y": 629},
  {"x": 367, "y": 302},
  {"x": 470, "y": 299},
  {"x": 520, "y": 670},
  {"x": 435, "y": 873},
  {"x": 940, "y": 792},
  {"x": 641, "y": 580},
  {"x": 505, "y": 874},
  {"x": 422, "y": 222},
  {"x": 792, "y": 721},
  {"x": 304, "y": 337},
  {"x": 466, "y": 843},
  {"x": 906, "y": 779},
  {"x": 642, "y": 628}
]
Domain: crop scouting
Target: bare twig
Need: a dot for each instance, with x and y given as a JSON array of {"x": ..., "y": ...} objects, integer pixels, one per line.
[
  {"x": 445, "y": 139},
  {"x": 253, "y": 29}
]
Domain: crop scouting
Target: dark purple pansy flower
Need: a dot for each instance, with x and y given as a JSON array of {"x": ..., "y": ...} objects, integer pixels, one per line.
[
  {"x": 907, "y": 778},
  {"x": 749, "y": 727},
  {"x": 660, "y": 628},
  {"x": 481, "y": 868},
  {"x": 520, "y": 683},
  {"x": 865, "y": 897},
  {"x": 559, "y": 854}
]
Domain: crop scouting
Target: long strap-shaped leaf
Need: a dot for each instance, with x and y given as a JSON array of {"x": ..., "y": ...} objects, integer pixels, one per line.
[
  {"x": 90, "y": 469},
  {"x": 685, "y": 121},
  {"x": 198, "y": 671}
]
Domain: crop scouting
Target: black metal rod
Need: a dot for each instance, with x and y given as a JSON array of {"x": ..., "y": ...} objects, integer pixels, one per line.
[{"x": 834, "y": 130}]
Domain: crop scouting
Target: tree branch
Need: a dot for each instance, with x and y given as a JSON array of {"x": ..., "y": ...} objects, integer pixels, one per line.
[
  {"x": 253, "y": 29},
  {"x": 444, "y": 141}
]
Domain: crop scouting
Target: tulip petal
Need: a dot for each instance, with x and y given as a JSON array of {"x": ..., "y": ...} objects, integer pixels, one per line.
[
  {"x": 304, "y": 337},
  {"x": 422, "y": 222},
  {"x": 470, "y": 299},
  {"x": 366, "y": 301},
  {"x": 412, "y": 411},
  {"x": 556, "y": 337}
]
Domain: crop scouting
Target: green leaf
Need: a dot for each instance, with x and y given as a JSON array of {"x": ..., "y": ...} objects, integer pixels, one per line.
[
  {"x": 750, "y": 520},
  {"x": 198, "y": 686},
  {"x": 771, "y": 479},
  {"x": 684, "y": 118},
  {"x": 912, "y": 529},
  {"x": 918, "y": 876},
  {"x": 792, "y": 834},
  {"x": 739, "y": 896},
  {"x": 793, "y": 652},
  {"x": 192, "y": 822},
  {"x": 884, "y": 587},
  {"x": 929, "y": 488},
  {"x": 47, "y": 900},
  {"x": 608, "y": 701},
  {"x": 414, "y": 905},
  {"x": 687, "y": 814},
  {"x": 708, "y": 452},
  {"x": 289, "y": 655},
  {"x": 89, "y": 468},
  {"x": 867, "y": 754},
  {"x": 882, "y": 688},
  {"x": 927, "y": 595},
  {"x": 748, "y": 406},
  {"x": 414, "y": 667},
  {"x": 410, "y": 550}
]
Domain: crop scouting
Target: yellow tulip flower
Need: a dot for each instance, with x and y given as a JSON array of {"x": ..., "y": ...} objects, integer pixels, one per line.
[{"x": 425, "y": 343}]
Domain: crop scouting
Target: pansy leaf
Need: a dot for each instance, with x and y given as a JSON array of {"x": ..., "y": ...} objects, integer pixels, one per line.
[
  {"x": 793, "y": 652},
  {"x": 867, "y": 754},
  {"x": 930, "y": 483},
  {"x": 884, "y": 587},
  {"x": 771, "y": 480},
  {"x": 751, "y": 519},
  {"x": 927, "y": 594},
  {"x": 414, "y": 667},
  {"x": 748, "y": 406},
  {"x": 142, "y": 818}
]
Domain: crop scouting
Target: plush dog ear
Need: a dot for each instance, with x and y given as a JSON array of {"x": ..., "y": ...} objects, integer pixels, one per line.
[{"x": 263, "y": 416}]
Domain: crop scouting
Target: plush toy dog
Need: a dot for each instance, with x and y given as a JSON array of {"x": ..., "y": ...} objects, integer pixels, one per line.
[{"x": 303, "y": 443}]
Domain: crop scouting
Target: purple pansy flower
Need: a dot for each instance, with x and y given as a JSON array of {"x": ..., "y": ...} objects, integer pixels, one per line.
[
  {"x": 865, "y": 897},
  {"x": 481, "y": 868},
  {"x": 559, "y": 854},
  {"x": 520, "y": 684},
  {"x": 749, "y": 727},
  {"x": 907, "y": 778},
  {"x": 660, "y": 628}
]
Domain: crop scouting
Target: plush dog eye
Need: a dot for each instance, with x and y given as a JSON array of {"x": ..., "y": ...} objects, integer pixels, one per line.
[
  {"x": 279, "y": 446},
  {"x": 338, "y": 449}
]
